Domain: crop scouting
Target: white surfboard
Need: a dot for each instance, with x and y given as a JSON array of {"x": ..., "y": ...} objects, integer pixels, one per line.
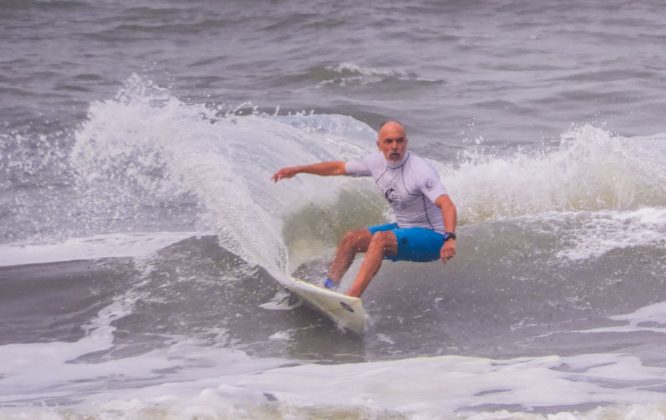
[{"x": 346, "y": 311}]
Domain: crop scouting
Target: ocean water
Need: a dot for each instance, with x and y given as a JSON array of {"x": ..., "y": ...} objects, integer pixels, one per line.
[{"x": 143, "y": 245}]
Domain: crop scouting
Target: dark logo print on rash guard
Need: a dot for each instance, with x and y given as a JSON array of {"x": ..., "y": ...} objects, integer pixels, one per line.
[{"x": 392, "y": 197}]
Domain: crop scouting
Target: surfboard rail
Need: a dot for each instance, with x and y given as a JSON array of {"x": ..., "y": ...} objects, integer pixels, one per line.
[{"x": 346, "y": 311}]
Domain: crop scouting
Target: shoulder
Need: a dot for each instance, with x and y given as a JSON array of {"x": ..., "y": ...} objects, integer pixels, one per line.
[
  {"x": 424, "y": 177},
  {"x": 375, "y": 156},
  {"x": 417, "y": 159},
  {"x": 374, "y": 160},
  {"x": 365, "y": 165},
  {"x": 419, "y": 166}
]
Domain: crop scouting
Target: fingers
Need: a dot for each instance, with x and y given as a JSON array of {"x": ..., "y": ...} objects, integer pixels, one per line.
[
  {"x": 282, "y": 173},
  {"x": 447, "y": 253}
]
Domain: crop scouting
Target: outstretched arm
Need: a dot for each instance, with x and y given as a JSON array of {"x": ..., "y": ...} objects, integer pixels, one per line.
[
  {"x": 323, "y": 169},
  {"x": 449, "y": 214}
]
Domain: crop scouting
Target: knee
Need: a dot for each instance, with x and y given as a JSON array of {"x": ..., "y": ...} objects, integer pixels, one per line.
[
  {"x": 356, "y": 239},
  {"x": 380, "y": 239}
]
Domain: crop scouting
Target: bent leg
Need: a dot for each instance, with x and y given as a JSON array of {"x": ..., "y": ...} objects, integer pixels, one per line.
[
  {"x": 381, "y": 244},
  {"x": 353, "y": 242}
]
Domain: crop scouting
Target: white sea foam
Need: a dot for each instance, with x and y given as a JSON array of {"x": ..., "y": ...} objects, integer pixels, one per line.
[
  {"x": 50, "y": 367},
  {"x": 597, "y": 233},
  {"x": 438, "y": 387},
  {"x": 651, "y": 318},
  {"x": 136, "y": 409},
  {"x": 591, "y": 170},
  {"x": 281, "y": 336},
  {"x": 350, "y": 73},
  {"x": 137, "y": 245},
  {"x": 453, "y": 384}
]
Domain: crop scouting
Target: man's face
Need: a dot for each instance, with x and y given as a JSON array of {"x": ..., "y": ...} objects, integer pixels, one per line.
[{"x": 392, "y": 142}]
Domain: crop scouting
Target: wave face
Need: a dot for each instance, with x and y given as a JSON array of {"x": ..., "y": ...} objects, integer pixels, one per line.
[{"x": 147, "y": 146}]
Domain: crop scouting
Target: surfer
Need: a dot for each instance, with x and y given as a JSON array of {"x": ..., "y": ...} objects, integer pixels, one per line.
[{"x": 425, "y": 215}]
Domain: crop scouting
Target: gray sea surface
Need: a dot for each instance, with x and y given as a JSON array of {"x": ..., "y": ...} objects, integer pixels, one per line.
[{"x": 143, "y": 246}]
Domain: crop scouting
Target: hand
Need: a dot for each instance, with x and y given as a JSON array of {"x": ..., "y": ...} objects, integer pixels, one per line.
[
  {"x": 284, "y": 173},
  {"x": 448, "y": 250}
]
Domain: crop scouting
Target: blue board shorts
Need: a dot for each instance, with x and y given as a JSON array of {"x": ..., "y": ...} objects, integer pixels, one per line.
[{"x": 414, "y": 244}]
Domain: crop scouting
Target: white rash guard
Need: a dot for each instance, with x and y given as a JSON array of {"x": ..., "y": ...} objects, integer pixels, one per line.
[{"x": 411, "y": 187}]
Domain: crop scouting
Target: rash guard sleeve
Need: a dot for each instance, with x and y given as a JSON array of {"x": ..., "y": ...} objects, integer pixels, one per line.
[
  {"x": 429, "y": 183},
  {"x": 360, "y": 167}
]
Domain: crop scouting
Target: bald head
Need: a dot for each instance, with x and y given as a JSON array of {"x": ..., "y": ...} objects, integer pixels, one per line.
[
  {"x": 392, "y": 140},
  {"x": 391, "y": 124}
]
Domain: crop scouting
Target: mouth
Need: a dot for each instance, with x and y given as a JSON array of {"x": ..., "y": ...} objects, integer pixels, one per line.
[{"x": 394, "y": 155}]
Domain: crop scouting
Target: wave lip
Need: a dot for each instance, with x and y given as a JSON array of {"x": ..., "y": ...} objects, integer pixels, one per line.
[{"x": 589, "y": 170}]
